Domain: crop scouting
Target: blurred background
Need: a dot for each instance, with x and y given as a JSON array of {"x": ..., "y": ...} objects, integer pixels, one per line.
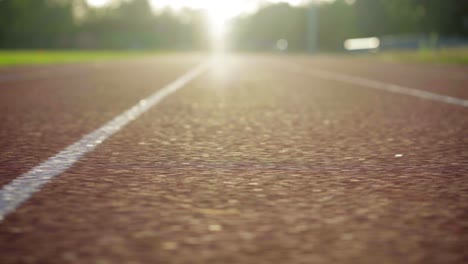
[{"x": 293, "y": 26}]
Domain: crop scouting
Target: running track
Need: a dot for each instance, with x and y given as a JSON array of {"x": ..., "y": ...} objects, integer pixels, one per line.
[{"x": 235, "y": 159}]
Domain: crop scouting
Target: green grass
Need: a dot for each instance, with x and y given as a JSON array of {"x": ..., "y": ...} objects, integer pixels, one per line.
[
  {"x": 443, "y": 56},
  {"x": 40, "y": 57}
]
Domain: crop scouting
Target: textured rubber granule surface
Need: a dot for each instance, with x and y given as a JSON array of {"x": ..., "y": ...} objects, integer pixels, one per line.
[{"x": 254, "y": 164}]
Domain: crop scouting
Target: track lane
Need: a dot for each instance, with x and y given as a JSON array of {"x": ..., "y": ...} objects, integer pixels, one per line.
[
  {"x": 253, "y": 165},
  {"x": 23, "y": 187},
  {"x": 41, "y": 117},
  {"x": 448, "y": 80},
  {"x": 27, "y": 73},
  {"x": 378, "y": 85}
]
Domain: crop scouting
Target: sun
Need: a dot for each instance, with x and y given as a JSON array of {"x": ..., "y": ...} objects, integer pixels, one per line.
[
  {"x": 218, "y": 17},
  {"x": 218, "y": 14},
  {"x": 98, "y": 3}
]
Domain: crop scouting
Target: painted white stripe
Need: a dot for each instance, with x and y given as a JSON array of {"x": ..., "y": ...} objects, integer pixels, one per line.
[
  {"x": 22, "y": 188},
  {"x": 388, "y": 87}
]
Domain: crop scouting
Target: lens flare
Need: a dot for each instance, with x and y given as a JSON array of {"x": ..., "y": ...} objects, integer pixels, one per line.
[
  {"x": 98, "y": 3},
  {"x": 218, "y": 16}
]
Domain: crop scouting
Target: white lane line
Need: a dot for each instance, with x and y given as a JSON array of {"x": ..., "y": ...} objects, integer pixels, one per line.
[
  {"x": 388, "y": 87},
  {"x": 22, "y": 188}
]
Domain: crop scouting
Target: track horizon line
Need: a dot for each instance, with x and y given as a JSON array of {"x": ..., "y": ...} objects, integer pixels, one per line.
[{"x": 19, "y": 190}]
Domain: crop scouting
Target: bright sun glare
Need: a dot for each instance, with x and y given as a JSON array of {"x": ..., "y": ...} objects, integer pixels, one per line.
[
  {"x": 218, "y": 15},
  {"x": 98, "y": 3},
  {"x": 218, "y": 12}
]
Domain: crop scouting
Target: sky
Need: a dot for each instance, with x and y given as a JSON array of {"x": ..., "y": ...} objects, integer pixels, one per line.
[
  {"x": 219, "y": 11},
  {"x": 222, "y": 8}
]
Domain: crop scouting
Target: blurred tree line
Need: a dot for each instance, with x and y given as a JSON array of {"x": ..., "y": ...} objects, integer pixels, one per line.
[
  {"x": 126, "y": 24},
  {"x": 131, "y": 24},
  {"x": 343, "y": 19}
]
